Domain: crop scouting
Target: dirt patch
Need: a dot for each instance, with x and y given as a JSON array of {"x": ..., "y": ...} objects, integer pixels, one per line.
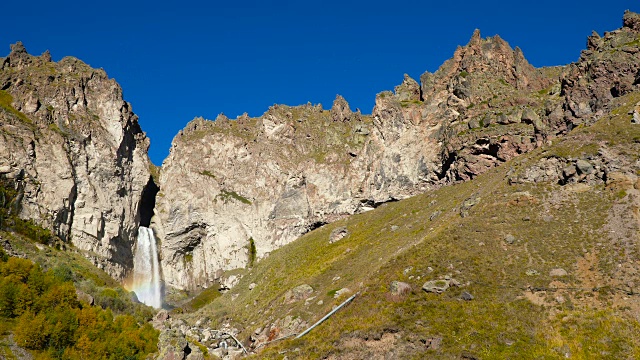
[{"x": 358, "y": 348}]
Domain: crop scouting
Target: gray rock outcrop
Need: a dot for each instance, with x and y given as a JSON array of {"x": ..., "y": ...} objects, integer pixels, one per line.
[{"x": 75, "y": 152}]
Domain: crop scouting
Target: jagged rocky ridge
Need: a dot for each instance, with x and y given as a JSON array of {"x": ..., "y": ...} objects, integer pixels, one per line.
[
  {"x": 79, "y": 157},
  {"x": 229, "y": 184},
  {"x": 77, "y": 154}
]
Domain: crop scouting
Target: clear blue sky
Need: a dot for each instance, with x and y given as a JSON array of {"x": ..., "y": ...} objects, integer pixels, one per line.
[{"x": 178, "y": 60}]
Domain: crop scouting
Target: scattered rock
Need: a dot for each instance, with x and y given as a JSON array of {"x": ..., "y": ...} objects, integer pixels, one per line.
[
  {"x": 436, "y": 286},
  {"x": 584, "y": 167},
  {"x": 529, "y": 116},
  {"x": 510, "y": 239},
  {"x": 468, "y": 204},
  {"x": 301, "y": 292},
  {"x": 171, "y": 345},
  {"x": 399, "y": 288},
  {"x": 558, "y": 272},
  {"x": 434, "y": 215},
  {"x": 532, "y": 272},
  {"x": 338, "y": 234},
  {"x": 564, "y": 351},
  {"x": 466, "y": 296},
  {"x": 252, "y": 286},
  {"x": 569, "y": 171},
  {"x": 227, "y": 283},
  {"x": 195, "y": 353},
  {"x": 220, "y": 352},
  {"x": 433, "y": 343},
  {"x": 162, "y": 315},
  {"x": 474, "y": 124},
  {"x": 343, "y": 291},
  {"x": 631, "y": 20}
]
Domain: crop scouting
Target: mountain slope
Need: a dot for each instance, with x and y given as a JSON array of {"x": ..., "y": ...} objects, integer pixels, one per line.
[{"x": 547, "y": 246}]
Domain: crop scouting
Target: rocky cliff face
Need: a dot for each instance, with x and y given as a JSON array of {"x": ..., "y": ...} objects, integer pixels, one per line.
[
  {"x": 267, "y": 180},
  {"x": 76, "y": 153}
]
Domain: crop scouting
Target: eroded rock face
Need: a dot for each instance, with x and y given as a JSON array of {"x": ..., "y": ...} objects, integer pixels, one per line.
[
  {"x": 270, "y": 179},
  {"x": 275, "y": 177},
  {"x": 608, "y": 68},
  {"x": 76, "y": 152}
]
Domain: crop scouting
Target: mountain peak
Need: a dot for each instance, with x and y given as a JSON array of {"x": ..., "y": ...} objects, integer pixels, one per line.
[
  {"x": 18, "y": 48},
  {"x": 340, "y": 111}
]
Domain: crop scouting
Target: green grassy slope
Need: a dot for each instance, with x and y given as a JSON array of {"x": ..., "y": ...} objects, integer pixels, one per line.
[{"x": 519, "y": 309}]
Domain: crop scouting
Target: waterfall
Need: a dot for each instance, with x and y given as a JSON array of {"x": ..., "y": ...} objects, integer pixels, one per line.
[{"x": 146, "y": 269}]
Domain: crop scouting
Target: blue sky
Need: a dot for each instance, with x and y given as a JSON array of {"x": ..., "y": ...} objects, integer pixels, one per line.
[{"x": 179, "y": 60}]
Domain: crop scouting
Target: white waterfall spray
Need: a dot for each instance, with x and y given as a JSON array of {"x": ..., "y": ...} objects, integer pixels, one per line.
[{"x": 146, "y": 269}]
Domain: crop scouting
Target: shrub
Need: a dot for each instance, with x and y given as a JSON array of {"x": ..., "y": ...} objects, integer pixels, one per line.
[
  {"x": 51, "y": 321},
  {"x": 31, "y": 331}
]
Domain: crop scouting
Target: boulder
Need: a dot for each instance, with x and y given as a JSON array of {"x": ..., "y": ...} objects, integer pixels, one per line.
[
  {"x": 338, "y": 234},
  {"x": 300, "y": 292},
  {"x": 162, "y": 315},
  {"x": 510, "y": 239},
  {"x": 466, "y": 296},
  {"x": 171, "y": 345},
  {"x": 436, "y": 286},
  {"x": 343, "y": 291},
  {"x": 584, "y": 167},
  {"x": 558, "y": 272},
  {"x": 529, "y": 116},
  {"x": 399, "y": 288},
  {"x": 195, "y": 354}
]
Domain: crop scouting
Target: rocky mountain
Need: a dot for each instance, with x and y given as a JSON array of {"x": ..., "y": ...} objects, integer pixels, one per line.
[
  {"x": 230, "y": 185},
  {"x": 233, "y": 191},
  {"x": 76, "y": 153},
  {"x": 489, "y": 211}
]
